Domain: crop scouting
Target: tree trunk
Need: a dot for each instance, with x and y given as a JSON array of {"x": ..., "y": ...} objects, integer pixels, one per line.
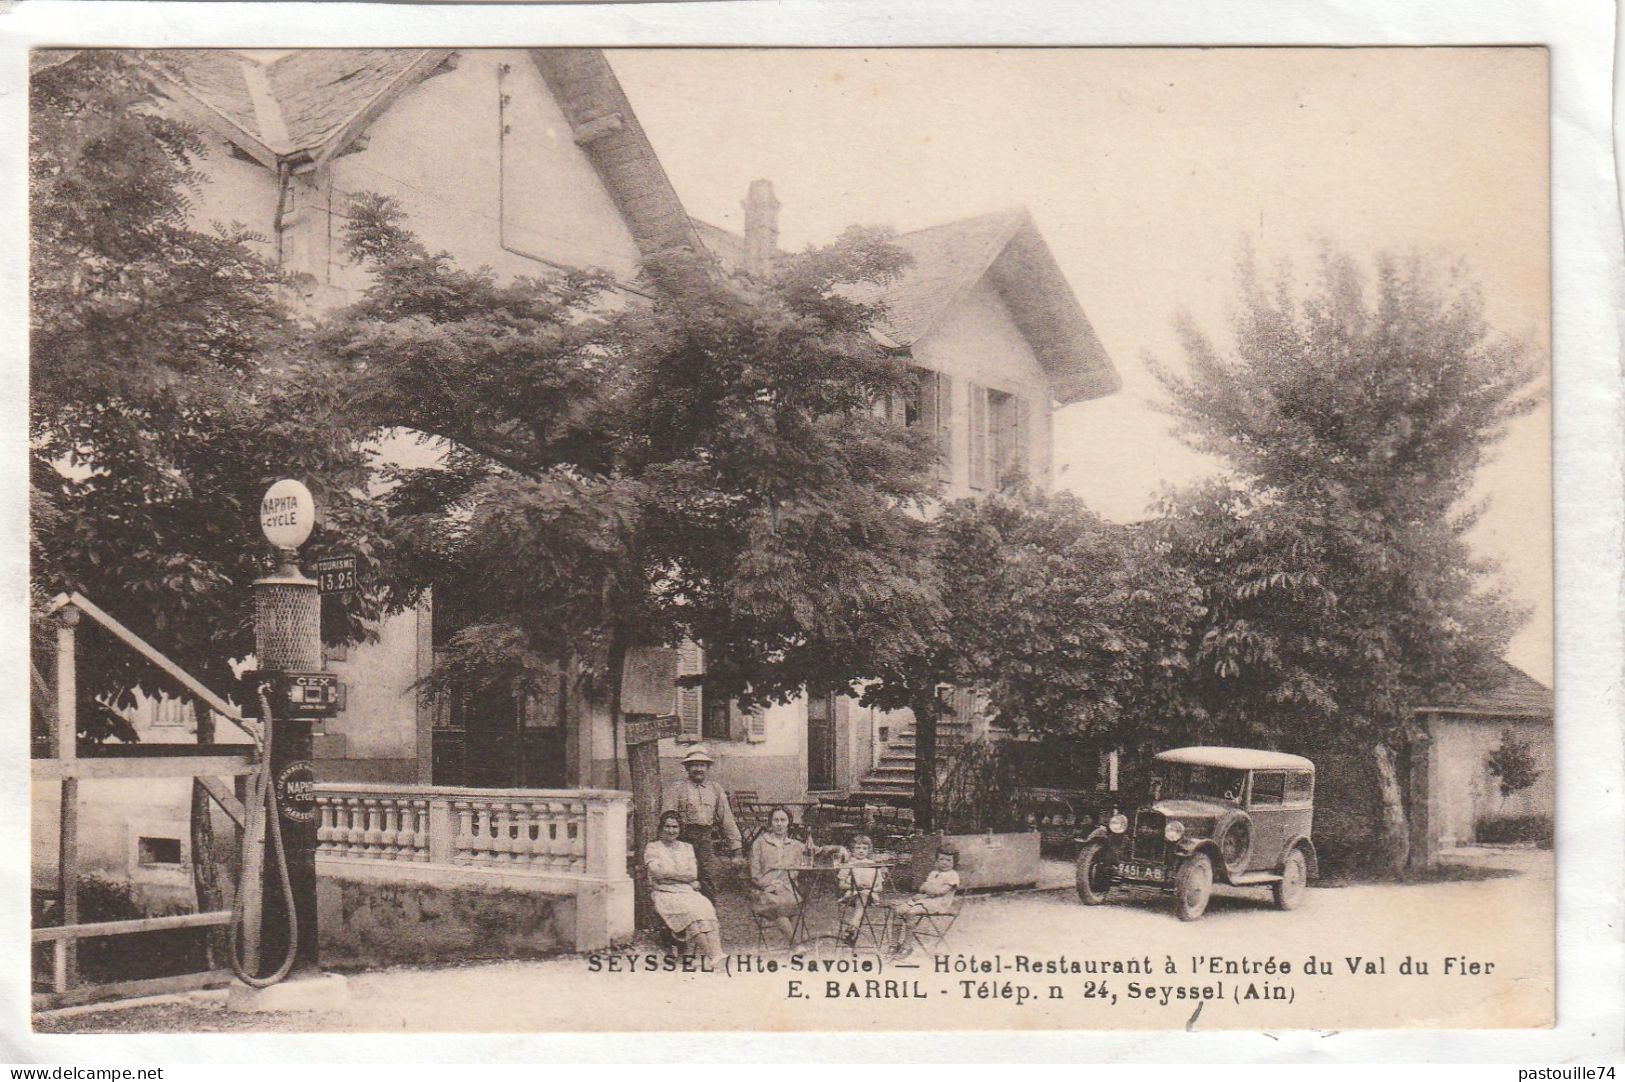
[
  {"x": 927, "y": 709},
  {"x": 205, "y": 872},
  {"x": 1396, "y": 834},
  {"x": 643, "y": 771}
]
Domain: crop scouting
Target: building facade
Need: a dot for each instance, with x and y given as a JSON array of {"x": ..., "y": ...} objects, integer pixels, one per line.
[{"x": 531, "y": 160}]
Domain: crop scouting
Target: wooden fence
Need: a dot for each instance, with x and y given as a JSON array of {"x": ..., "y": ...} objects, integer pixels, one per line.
[{"x": 62, "y": 765}]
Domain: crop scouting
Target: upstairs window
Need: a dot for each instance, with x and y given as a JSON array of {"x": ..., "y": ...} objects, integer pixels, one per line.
[{"x": 1000, "y": 434}]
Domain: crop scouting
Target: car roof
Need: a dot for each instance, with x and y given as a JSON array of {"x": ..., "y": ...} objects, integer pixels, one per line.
[{"x": 1236, "y": 758}]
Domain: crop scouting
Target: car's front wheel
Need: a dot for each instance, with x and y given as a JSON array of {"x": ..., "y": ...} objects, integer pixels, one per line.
[
  {"x": 1193, "y": 886},
  {"x": 1094, "y": 873},
  {"x": 1294, "y": 882}
]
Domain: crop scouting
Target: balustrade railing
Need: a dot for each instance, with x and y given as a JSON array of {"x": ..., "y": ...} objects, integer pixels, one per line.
[{"x": 565, "y": 832}]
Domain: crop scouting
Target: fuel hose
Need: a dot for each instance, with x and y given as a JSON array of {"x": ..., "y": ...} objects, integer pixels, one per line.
[{"x": 262, "y": 803}]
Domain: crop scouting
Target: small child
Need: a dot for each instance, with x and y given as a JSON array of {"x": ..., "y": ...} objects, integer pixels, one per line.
[
  {"x": 936, "y": 895},
  {"x": 860, "y": 882}
]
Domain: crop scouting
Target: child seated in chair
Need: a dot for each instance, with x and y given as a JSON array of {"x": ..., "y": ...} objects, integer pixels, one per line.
[
  {"x": 860, "y": 883},
  {"x": 936, "y": 895}
]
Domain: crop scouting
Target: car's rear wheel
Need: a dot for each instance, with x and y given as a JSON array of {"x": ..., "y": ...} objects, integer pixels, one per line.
[
  {"x": 1094, "y": 873},
  {"x": 1193, "y": 886},
  {"x": 1294, "y": 881}
]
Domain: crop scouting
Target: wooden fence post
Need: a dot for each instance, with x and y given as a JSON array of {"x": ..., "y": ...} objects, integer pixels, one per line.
[{"x": 66, "y": 968}]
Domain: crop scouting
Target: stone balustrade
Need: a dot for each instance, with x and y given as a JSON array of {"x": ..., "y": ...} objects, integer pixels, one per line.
[
  {"x": 557, "y": 842},
  {"x": 568, "y": 831}
]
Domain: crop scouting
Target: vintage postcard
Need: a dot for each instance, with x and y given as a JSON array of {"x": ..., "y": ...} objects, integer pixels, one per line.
[{"x": 549, "y": 539}]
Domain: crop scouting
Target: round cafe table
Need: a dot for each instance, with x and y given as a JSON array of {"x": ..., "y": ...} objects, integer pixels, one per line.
[{"x": 811, "y": 880}]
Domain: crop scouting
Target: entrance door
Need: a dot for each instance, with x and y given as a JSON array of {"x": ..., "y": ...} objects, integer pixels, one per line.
[
  {"x": 515, "y": 745},
  {"x": 820, "y": 742}
]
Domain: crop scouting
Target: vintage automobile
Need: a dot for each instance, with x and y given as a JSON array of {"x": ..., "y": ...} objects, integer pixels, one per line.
[{"x": 1227, "y": 815}]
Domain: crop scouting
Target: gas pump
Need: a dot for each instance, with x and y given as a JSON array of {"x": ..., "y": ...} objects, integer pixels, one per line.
[{"x": 275, "y": 908}]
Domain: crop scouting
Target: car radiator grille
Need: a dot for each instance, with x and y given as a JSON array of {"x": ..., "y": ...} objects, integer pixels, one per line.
[{"x": 1148, "y": 841}]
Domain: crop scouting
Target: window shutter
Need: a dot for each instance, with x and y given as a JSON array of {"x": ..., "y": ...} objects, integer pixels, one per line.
[
  {"x": 755, "y": 725},
  {"x": 690, "y": 700},
  {"x": 945, "y": 425},
  {"x": 925, "y": 391},
  {"x": 1022, "y": 437},
  {"x": 978, "y": 436}
]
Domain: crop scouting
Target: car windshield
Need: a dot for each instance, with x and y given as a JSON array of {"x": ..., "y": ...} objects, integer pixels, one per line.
[{"x": 1174, "y": 781}]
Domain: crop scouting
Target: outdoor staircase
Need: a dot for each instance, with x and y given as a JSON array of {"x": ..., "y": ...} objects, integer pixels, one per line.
[{"x": 892, "y": 779}]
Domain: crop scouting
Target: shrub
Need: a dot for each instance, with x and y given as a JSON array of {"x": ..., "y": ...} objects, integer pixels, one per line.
[
  {"x": 1513, "y": 764},
  {"x": 1510, "y": 829}
]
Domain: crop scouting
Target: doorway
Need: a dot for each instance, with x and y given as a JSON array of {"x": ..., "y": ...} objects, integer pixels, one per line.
[{"x": 820, "y": 742}]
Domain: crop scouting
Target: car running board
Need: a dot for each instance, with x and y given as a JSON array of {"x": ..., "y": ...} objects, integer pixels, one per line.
[{"x": 1254, "y": 879}]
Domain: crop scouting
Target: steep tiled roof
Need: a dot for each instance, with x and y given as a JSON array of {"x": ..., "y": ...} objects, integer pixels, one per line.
[
  {"x": 214, "y": 77},
  {"x": 1516, "y": 695},
  {"x": 302, "y": 103},
  {"x": 949, "y": 260},
  {"x": 321, "y": 90},
  {"x": 607, "y": 129},
  {"x": 727, "y": 246},
  {"x": 312, "y": 103}
]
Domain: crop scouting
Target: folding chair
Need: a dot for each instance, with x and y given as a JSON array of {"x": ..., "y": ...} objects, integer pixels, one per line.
[
  {"x": 873, "y": 917},
  {"x": 928, "y": 930},
  {"x": 766, "y": 925}
]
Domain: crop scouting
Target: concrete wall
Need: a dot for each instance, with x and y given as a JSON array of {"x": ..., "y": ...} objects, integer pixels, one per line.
[
  {"x": 776, "y": 767},
  {"x": 239, "y": 191},
  {"x": 114, "y": 815},
  {"x": 1464, "y": 789},
  {"x": 365, "y": 924},
  {"x": 439, "y": 151},
  {"x": 375, "y": 737}
]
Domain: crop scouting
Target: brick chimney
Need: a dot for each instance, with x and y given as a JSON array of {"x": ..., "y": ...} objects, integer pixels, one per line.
[{"x": 761, "y": 227}]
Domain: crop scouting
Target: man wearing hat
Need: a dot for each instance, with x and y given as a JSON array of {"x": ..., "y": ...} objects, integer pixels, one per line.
[{"x": 704, "y": 807}]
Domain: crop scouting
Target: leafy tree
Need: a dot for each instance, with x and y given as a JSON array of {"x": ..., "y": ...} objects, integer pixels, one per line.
[
  {"x": 166, "y": 393},
  {"x": 167, "y": 387},
  {"x": 703, "y": 465},
  {"x": 1513, "y": 764},
  {"x": 1339, "y": 585},
  {"x": 1067, "y": 624}
]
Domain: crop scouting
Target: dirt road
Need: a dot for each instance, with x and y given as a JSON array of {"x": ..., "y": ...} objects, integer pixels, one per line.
[{"x": 1475, "y": 952}]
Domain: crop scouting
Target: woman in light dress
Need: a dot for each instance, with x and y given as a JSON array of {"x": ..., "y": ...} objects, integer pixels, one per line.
[
  {"x": 674, "y": 883},
  {"x": 772, "y": 857}
]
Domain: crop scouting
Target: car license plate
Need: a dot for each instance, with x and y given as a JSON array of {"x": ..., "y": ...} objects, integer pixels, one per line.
[{"x": 1131, "y": 869}]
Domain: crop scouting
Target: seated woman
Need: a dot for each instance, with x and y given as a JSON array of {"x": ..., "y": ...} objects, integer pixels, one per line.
[
  {"x": 936, "y": 895},
  {"x": 861, "y": 883},
  {"x": 773, "y": 857},
  {"x": 674, "y": 884}
]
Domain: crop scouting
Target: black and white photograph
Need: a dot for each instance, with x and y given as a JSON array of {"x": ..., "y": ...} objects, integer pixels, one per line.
[{"x": 546, "y": 539}]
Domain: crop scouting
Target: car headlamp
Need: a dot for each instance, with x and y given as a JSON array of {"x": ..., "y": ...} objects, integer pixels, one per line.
[
  {"x": 1174, "y": 831},
  {"x": 1118, "y": 823}
]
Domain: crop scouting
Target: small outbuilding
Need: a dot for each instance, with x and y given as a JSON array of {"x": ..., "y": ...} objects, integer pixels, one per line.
[{"x": 1483, "y": 768}]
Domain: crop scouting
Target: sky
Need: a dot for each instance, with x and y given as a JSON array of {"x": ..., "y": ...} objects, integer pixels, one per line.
[{"x": 1147, "y": 170}]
